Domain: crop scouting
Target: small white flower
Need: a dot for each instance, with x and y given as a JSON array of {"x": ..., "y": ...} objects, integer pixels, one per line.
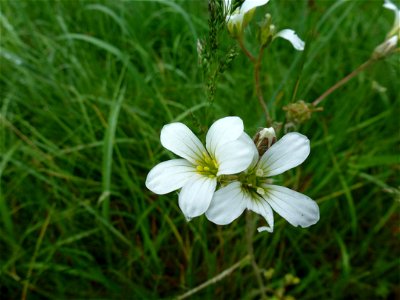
[
  {"x": 255, "y": 192},
  {"x": 292, "y": 37},
  {"x": 239, "y": 19},
  {"x": 392, "y": 37},
  {"x": 227, "y": 152},
  {"x": 396, "y": 26},
  {"x": 386, "y": 47}
]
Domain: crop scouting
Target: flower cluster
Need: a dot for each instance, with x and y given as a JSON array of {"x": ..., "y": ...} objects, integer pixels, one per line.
[
  {"x": 237, "y": 20},
  {"x": 229, "y": 174}
]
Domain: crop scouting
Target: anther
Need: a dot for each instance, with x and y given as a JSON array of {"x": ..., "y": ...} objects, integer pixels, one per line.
[
  {"x": 260, "y": 191},
  {"x": 259, "y": 172}
]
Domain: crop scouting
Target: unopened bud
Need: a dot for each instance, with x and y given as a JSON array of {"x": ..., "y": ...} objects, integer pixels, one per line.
[
  {"x": 264, "y": 139},
  {"x": 260, "y": 191},
  {"x": 200, "y": 50},
  {"x": 269, "y": 273},
  {"x": 266, "y": 31},
  {"x": 385, "y": 48}
]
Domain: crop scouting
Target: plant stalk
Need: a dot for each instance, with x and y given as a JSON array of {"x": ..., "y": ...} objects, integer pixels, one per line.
[
  {"x": 343, "y": 81},
  {"x": 250, "y": 250},
  {"x": 257, "y": 67},
  {"x": 217, "y": 278}
]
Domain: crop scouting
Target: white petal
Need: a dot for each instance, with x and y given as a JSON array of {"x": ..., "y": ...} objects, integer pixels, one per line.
[
  {"x": 256, "y": 156},
  {"x": 390, "y": 5},
  {"x": 265, "y": 228},
  {"x": 292, "y": 37},
  {"x": 169, "y": 176},
  {"x": 236, "y": 156},
  {"x": 250, "y": 4},
  {"x": 196, "y": 195},
  {"x": 261, "y": 207},
  {"x": 296, "y": 208},
  {"x": 227, "y": 204},
  {"x": 290, "y": 151},
  {"x": 223, "y": 131},
  {"x": 235, "y": 18},
  {"x": 179, "y": 139},
  {"x": 227, "y": 6}
]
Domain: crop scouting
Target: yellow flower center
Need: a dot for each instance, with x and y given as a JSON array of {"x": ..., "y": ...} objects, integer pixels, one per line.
[
  {"x": 207, "y": 166},
  {"x": 252, "y": 183}
]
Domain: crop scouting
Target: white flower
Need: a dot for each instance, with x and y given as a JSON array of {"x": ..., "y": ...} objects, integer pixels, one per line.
[
  {"x": 255, "y": 192},
  {"x": 392, "y": 37},
  {"x": 396, "y": 26},
  {"x": 386, "y": 47},
  {"x": 227, "y": 152},
  {"x": 292, "y": 37},
  {"x": 239, "y": 19}
]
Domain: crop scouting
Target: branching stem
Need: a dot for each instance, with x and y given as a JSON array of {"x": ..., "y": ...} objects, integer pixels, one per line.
[
  {"x": 245, "y": 51},
  {"x": 343, "y": 81}
]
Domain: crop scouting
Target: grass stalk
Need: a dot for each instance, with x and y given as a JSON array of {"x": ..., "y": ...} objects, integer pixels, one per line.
[{"x": 217, "y": 278}]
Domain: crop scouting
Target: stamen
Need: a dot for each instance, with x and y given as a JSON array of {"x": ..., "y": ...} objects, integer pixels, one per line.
[
  {"x": 259, "y": 172},
  {"x": 207, "y": 166},
  {"x": 215, "y": 163},
  {"x": 260, "y": 191},
  {"x": 206, "y": 158}
]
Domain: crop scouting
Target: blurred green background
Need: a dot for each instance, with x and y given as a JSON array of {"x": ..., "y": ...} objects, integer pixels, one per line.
[{"x": 86, "y": 87}]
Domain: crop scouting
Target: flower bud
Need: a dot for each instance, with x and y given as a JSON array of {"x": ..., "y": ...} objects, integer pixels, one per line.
[
  {"x": 264, "y": 139},
  {"x": 385, "y": 48},
  {"x": 266, "y": 31}
]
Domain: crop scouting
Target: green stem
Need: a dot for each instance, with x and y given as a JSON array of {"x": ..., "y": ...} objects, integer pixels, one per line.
[
  {"x": 257, "y": 68},
  {"x": 215, "y": 279},
  {"x": 343, "y": 81}
]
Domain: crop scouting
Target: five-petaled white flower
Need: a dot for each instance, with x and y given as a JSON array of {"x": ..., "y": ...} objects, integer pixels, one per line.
[
  {"x": 227, "y": 152},
  {"x": 254, "y": 191}
]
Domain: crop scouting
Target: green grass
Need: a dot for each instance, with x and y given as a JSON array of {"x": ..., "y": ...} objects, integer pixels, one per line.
[{"x": 85, "y": 90}]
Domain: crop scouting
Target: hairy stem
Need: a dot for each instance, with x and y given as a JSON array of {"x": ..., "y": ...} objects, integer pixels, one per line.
[
  {"x": 343, "y": 81},
  {"x": 250, "y": 250}
]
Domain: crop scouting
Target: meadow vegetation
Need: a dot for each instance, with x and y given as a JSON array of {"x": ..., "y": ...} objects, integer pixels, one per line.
[{"x": 85, "y": 88}]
